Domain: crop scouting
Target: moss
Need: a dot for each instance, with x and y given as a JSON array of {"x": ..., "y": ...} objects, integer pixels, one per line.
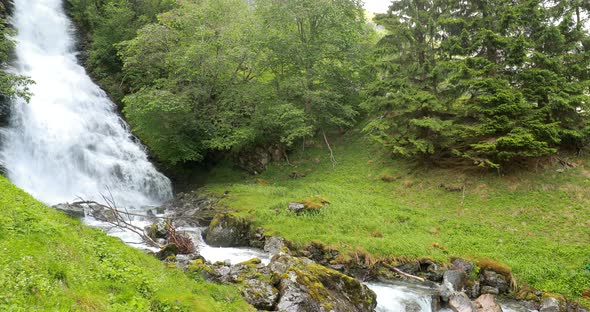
[
  {"x": 314, "y": 203},
  {"x": 495, "y": 266},
  {"x": 252, "y": 262}
]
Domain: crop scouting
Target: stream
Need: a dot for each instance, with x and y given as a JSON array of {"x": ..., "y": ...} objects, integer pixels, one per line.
[{"x": 68, "y": 143}]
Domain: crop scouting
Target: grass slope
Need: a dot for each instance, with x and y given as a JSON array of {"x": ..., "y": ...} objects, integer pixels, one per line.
[
  {"x": 49, "y": 262},
  {"x": 537, "y": 223}
]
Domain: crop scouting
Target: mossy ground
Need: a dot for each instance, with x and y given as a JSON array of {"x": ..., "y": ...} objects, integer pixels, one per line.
[
  {"x": 537, "y": 222},
  {"x": 49, "y": 262}
]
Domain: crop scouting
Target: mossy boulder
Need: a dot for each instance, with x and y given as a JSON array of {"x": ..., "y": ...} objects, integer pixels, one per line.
[
  {"x": 307, "y": 286},
  {"x": 262, "y": 295},
  {"x": 311, "y": 204},
  {"x": 168, "y": 251},
  {"x": 227, "y": 230}
]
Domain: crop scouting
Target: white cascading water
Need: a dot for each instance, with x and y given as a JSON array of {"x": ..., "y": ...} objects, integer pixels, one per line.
[{"x": 68, "y": 142}]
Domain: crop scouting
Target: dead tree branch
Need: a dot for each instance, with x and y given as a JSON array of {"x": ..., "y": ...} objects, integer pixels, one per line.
[
  {"x": 108, "y": 213},
  {"x": 332, "y": 158}
]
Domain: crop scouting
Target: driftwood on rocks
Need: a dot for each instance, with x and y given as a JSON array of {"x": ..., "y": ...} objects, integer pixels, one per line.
[{"x": 110, "y": 214}]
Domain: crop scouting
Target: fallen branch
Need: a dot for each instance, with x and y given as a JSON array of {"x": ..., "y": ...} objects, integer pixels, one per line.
[
  {"x": 332, "y": 158},
  {"x": 116, "y": 218},
  {"x": 402, "y": 273},
  {"x": 565, "y": 163}
]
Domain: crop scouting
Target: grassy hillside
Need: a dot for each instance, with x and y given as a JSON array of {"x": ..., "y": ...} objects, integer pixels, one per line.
[
  {"x": 49, "y": 262},
  {"x": 537, "y": 223}
]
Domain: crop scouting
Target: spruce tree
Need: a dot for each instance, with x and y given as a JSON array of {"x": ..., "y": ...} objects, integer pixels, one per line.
[{"x": 497, "y": 81}]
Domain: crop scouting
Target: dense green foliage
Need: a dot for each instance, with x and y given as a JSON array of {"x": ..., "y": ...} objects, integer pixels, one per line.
[
  {"x": 49, "y": 262},
  {"x": 107, "y": 23},
  {"x": 10, "y": 85},
  {"x": 230, "y": 75},
  {"x": 490, "y": 81},
  {"x": 537, "y": 223}
]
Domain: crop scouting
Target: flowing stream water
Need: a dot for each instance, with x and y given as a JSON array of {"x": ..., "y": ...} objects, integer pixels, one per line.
[{"x": 68, "y": 142}]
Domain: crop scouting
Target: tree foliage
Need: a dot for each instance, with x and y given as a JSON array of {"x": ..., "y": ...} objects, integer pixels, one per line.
[
  {"x": 489, "y": 81},
  {"x": 227, "y": 75}
]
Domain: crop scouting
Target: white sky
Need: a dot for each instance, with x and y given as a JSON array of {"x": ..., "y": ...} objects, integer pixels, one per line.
[{"x": 377, "y": 6}]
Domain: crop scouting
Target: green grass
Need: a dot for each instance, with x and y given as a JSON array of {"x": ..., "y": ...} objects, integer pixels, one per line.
[
  {"x": 49, "y": 262},
  {"x": 537, "y": 223}
]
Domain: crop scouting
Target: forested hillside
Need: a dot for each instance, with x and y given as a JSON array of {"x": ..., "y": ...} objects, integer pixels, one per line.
[{"x": 461, "y": 82}]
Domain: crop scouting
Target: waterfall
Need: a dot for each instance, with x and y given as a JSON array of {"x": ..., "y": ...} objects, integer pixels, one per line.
[{"x": 68, "y": 142}]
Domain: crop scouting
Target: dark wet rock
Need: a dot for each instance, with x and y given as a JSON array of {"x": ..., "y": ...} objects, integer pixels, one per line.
[
  {"x": 227, "y": 230},
  {"x": 431, "y": 270},
  {"x": 493, "y": 279},
  {"x": 490, "y": 290},
  {"x": 473, "y": 289},
  {"x": 255, "y": 160},
  {"x": 74, "y": 211},
  {"x": 487, "y": 303},
  {"x": 456, "y": 278},
  {"x": 412, "y": 268},
  {"x": 459, "y": 302},
  {"x": 157, "y": 231},
  {"x": 257, "y": 239},
  {"x": 321, "y": 253},
  {"x": 168, "y": 251},
  {"x": 274, "y": 245},
  {"x": 462, "y": 265},
  {"x": 550, "y": 304},
  {"x": 192, "y": 209},
  {"x": 575, "y": 307}
]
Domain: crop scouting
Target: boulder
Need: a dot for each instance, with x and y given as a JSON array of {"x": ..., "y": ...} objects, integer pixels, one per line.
[
  {"x": 227, "y": 230},
  {"x": 487, "y": 303},
  {"x": 274, "y": 245},
  {"x": 490, "y": 290},
  {"x": 157, "y": 231},
  {"x": 431, "y": 270},
  {"x": 456, "y": 278},
  {"x": 493, "y": 279},
  {"x": 446, "y": 291},
  {"x": 254, "y": 160},
  {"x": 550, "y": 304},
  {"x": 192, "y": 209},
  {"x": 74, "y": 211},
  {"x": 169, "y": 250},
  {"x": 462, "y": 265},
  {"x": 459, "y": 302},
  {"x": 473, "y": 290},
  {"x": 296, "y": 207},
  {"x": 260, "y": 294},
  {"x": 307, "y": 286}
]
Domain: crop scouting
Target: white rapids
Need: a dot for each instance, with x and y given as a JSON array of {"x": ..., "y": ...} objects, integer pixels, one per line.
[{"x": 68, "y": 142}]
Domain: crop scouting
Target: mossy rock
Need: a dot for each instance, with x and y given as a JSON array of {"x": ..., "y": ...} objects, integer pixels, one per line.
[
  {"x": 308, "y": 286},
  {"x": 312, "y": 204},
  {"x": 227, "y": 230}
]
